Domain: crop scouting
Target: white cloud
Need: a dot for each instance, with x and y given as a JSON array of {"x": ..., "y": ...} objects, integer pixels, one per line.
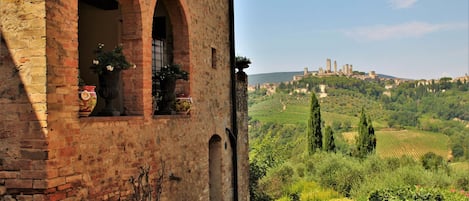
[
  {"x": 400, "y": 4},
  {"x": 405, "y": 30}
]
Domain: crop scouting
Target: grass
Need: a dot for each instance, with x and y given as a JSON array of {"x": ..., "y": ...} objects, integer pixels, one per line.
[
  {"x": 413, "y": 143},
  {"x": 464, "y": 166},
  {"x": 291, "y": 109}
]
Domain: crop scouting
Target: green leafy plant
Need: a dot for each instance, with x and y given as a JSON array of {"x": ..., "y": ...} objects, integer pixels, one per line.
[
  {"x": 242, "y": 62},
  {"x": 113, "y": 60},
  {"x": 172, "y": 71}
]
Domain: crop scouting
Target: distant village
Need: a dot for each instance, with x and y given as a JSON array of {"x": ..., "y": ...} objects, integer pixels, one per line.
[{"x": 347, "y": 70}]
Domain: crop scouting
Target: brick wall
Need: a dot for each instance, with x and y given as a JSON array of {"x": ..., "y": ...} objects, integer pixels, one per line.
[
  {"x": 23, "y": 147},
  {"x": 48, "y": 152}
]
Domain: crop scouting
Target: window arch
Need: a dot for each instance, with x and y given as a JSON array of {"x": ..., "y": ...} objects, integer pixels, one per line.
[
  {"x": 98, "y": 22},
  {"x": 169, "y": 47},
  {"x": 215, "y": 168}
]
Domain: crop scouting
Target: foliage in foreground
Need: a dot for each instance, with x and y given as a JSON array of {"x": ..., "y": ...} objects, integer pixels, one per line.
[
  {"x": 417, "y": 193},
  {"x": 334, "y": 175}
]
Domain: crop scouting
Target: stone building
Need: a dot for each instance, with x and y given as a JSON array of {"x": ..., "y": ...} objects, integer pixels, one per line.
[{"x": 47, "y": 152}]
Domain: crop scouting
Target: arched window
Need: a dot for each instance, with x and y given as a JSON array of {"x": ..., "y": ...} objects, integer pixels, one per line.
[
  {"x": 215, "y": 167},
  {"x": 99, "y": 22},
  {"x": 169, "y": 48}
]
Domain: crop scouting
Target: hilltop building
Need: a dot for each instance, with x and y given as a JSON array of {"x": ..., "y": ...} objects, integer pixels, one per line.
[
  {"x": 347, "y": 70},
  {"x": 48, "y": 152}
]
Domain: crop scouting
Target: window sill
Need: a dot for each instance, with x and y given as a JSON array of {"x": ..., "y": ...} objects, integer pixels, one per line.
[
  {"x": 92, "y": 119},
  {"x": 174, "y": 116}
]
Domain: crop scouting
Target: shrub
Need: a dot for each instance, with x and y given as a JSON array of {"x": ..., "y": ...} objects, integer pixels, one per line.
[
  {"x": 415, "y": 193},
  {"x": 431, "y": 161}
]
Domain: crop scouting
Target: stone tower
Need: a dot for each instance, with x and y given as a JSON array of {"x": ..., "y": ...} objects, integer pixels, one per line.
[
  {"x": 328, "y": 65},
  {"x": 335, "y": 66}
]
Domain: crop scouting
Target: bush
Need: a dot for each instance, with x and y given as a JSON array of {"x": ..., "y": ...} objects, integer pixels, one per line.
[
  {"x": 431, "y": 161},
  {"x": 340, "y": 173},
  {"x": 415, "y": 193},
  {"x": 277, "y": 180},
  {"x": 404, "y": 193}
]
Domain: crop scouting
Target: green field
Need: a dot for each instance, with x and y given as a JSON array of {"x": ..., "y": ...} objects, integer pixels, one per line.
[
  {"x": 285, "y": 109},
  {"x": 413, "y": 143},
  {"x": 293, "y": 110}
]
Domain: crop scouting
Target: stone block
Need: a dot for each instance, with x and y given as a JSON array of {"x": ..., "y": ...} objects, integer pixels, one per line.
[
  {"x": 54, "y": 182},
  {"x": 74, "y": 178},
  {"x": 57, "y": 196},
  {"x": 19, "y": 183},
  {"x": 8, "y": 174},
  {"x": 34, "y": 154},
  {"x": 39, "y": 184},
  {"x": 64, "y": 187},
  {"x": 39, "y": 197},
  {"x": 3, "y": 190},
  {"x": 24, "y": 198},
  {"x": 33, "y": 174}
]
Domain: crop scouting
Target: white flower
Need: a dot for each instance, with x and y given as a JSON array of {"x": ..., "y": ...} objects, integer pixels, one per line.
[
  {"x": 134, "y": 66},
  {"x": 109, "y": 68},
  {"x": 95, "y": 62}
]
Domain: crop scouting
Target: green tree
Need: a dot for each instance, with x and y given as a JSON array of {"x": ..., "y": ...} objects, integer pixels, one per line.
[
  {"x": 314, "y": 126},
  {"x": 371, "y": 137},
  {"x": 329, "y": 143},
  {"x": 431, "y": 161},
  {"x": 366, "y": 141}
]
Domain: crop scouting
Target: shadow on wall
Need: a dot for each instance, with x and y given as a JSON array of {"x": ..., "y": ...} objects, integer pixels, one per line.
[{"x": 23, "y": 148}]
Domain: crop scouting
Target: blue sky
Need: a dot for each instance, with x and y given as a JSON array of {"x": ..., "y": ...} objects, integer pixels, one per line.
[{"x": 405, "y": 38}]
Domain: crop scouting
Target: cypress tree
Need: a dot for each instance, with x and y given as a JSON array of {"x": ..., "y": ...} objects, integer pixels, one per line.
[
  {"x": 314, "y": 126},
  {"x": 366, "y": 141},
  {"x": 362, "y": 135},
  {"x": 329, "y": 143},
  {"x": 371, "y": 137}
]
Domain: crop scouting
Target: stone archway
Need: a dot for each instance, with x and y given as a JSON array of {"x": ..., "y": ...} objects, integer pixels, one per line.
[
  {"x": 215, "y": 168},
  {"x": 169, "y": 44}
]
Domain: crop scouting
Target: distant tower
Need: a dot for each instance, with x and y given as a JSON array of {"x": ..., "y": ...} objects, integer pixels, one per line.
[
  {"x": 347, "y": 69},
  {"x": 351, "y": 69},
  {"x": 321, "y": 71},
  {"x": 372, "y": 74},
  {"x": 328, "y": 65},
  {"x": 344, "y": 69},
  {"x": 305, "y": 72},
  {"x": 335, "y": 66}
]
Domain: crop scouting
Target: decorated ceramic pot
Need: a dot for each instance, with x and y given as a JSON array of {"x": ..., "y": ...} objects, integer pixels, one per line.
[{"x": 88, "y": 100}]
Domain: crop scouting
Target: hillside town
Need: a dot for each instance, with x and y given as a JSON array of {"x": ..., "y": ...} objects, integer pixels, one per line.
[{"x": 347, "y": 70}]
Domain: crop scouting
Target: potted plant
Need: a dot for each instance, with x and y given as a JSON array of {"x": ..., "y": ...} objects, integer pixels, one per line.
[
  {"x": 241, "y": 63},
  {"x": 108, "y": 65},
  {"x": 167, "y": 77}
]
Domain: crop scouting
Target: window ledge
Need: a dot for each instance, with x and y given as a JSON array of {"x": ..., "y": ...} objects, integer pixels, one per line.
[
  {"x": 92, "y": 119},
  {"x": 174, "y": 116}
]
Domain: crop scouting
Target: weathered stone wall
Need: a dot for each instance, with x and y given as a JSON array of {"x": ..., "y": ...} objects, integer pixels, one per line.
[
  {"x": 48, "y": 152},
  {"x": 243, "y": 138},
  {"x": 23, "y": 98}
]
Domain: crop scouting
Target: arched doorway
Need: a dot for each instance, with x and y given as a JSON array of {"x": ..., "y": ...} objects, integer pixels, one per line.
[{"x": 215, "y": 168}]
